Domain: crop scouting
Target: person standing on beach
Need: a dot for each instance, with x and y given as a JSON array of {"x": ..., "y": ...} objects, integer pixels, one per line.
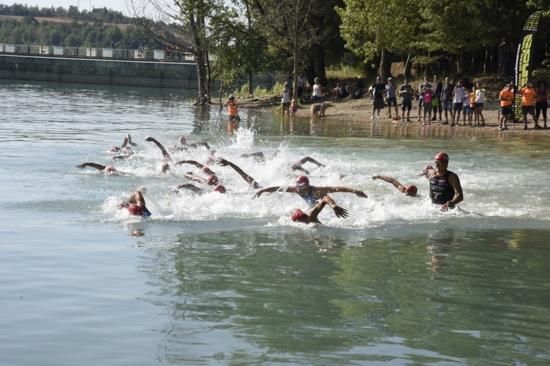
[
  {"x": 406, "y": 92},
  {"x": 377, "y": 90},
  {"x": 458, "y": 100},
  {"x": 391, "y": 97},
  {"x": 445, "y": 188},
  {"x": 285, "y": 102},
  {"x": 447, "y": 99},
  {"x": 436, "y": 101},
  {"x": 528, "y": 101},
  {"x": 425, "y": 83},
  {"x": 317, "y": 93},
  {"x": 478, "y": 105},
  {"x": 427, "y": 96},
  {"x": 506, "y": 98},
  {"x": 542, "y": 102}
]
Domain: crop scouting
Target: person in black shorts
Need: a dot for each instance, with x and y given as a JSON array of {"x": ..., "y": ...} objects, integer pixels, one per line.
[{"x": 406, "y": 92}]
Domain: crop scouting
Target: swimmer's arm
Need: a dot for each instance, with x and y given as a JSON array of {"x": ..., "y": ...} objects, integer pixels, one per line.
[
  {"x": 190, "y": 187},
  {"x": 206, "y": 169},
  {"x": 391, "y": 180},
  {"x": 325, "y": 190},
  {"x": 247, "y": 178},
  {"x": 125, "y": 143},
  {"x": 165, "y": 153},
  {"x": 258, "y": 156},
  {"x": 454, "y": 181},
  {"x": 338, "y": 211},
  {"x": 274, "y": 189},
  {"x": 309, "y": 159},
  {"x": 194, "y": 178},
  {"x": 91, "y": 165}
]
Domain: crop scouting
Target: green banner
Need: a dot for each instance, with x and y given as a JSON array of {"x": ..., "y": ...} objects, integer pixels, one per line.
[{"x": 524, "y": 59}]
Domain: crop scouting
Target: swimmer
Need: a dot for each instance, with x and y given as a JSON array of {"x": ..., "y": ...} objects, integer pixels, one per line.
[
  {"x": 184, "y": 145},
  {"x": 308, "y": 193},
  {"x": 247, "y": 178},
  {"x": 191, "y": 187},
  {"x": 445, "y": 188},
  {"x": 307, "y": 159},
  {"x": 106, "y": 169},
  {"x": 166, "y": 156},
  {"x": 203, "y": 167},
  {"x": 301, "y": 216},
  {"x": 136, "y": 204},
  {"x": 408, "y": 190},
  {"x": 258, "y": 156}
]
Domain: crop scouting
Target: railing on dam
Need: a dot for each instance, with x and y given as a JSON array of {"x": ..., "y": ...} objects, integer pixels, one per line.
[{"x": 97, "y": 53}]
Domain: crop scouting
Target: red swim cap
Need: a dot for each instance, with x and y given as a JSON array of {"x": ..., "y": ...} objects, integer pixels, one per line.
[
  {"x": 300, "y": 216},
  {"x": 109, "y": 169},
  {"x": 135, "y": 210},
  {"x": 212, "y": 180},
  {"x": 411, "y": 190},
  {"x": 302, "y": 181},
  {"x": 441, "y": 157},
  {"x": 219, "y": 188},
  {"x": 207, "y": 170}
]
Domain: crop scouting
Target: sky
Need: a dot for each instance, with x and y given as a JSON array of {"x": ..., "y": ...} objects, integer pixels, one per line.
[{"x": 119, "y": 5}]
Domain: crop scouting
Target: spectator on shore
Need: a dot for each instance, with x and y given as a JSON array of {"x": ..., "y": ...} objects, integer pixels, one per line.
[
  {"x": 358, "y": 88},
  {"x": 317, "y": 93},
  {"x": 437, "y": 101},
  {"x": 528, "y": 101},
  {"x": 458, "y": 100},
  {"x": 427, "y": 96},
  {"x": 300, "y": 216},
  {"x": 469, "y": 102},
  {"x": 391, "y": 98},
  {"x": 542, "y": 102},
  {"x": 447, "y": 99},
  {"x": 406, "y": 92},
  {"x": 377, "y": 90},
  {"x": 425, "y": 83},
  {"x": 445, "y": 188},
  {"x": 408, "y": 190},
  {"x": 479, "y": 101},
  {"x": 339, "y": 91},
  {"x": 285, "y": 102},
  {"x": 506, "y": 98}
]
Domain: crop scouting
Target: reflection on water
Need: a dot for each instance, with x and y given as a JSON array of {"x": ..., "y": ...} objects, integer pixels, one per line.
[{"x": 277, "y": 291}]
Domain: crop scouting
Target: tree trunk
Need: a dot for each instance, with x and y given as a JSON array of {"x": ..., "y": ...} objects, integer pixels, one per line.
[
  {"x": 203, "y": 92},
  {"x": 381, "y": 71},
  {"x": 407, "y": 67}
]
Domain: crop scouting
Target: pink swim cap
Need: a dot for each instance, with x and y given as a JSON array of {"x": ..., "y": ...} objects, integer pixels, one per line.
[
  {"x": 411, "y": 190},
  {"x": 302, "y": 181},
  {"x": 300, "y": 216},
  {"x": 109, "y": 169},
  {"x": 207, "y": 170},
  {"x": 212, "y": 180},
  {"x": 219, "y": 188}
]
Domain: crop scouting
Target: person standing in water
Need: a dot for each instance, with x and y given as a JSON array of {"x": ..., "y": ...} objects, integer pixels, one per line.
[
  {"x": 408, "y": 190},
  {"x": 445, "y": 188},
  {"x": 300, "y": 216}
]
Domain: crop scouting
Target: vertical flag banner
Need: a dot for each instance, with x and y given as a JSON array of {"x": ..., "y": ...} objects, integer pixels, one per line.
[{"x": 524, "y": 59}]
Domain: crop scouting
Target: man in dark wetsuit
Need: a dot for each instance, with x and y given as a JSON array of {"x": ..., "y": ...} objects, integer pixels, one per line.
[
  {"x": 300, "y": 216},
  {"x": 309, "y": 193},
  {"x": 445, "y": 188}
]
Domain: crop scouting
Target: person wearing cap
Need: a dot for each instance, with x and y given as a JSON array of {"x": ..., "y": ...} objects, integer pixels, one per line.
[
  {"x": 308, "y": 193},
  {"x": 191, "y": 187},
  {"x": 300, "y": 216},
  {"x": 506, "y": 98},
  {"x": 106, "y": 169},
  {"x": 445, "y": 188},
  {"x": 136, "y": 204},
  {"x": 124, "y": 151},
  {"x": 211, "y": 178},
  {"x": 183, "y": 144},
  {"x": 408, "y": 190}
]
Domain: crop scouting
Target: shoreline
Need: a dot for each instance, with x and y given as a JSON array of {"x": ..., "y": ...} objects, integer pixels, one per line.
[{"x": 357, "y": 113}]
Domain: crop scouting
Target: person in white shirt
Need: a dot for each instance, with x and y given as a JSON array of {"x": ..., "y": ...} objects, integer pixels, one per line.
[
  {"x": 458, "y": 99},
  {"x": 479, "y": 101}
]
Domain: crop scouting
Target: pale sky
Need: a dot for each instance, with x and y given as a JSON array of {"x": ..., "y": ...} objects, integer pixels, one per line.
[{"x": 119, "y": 5}]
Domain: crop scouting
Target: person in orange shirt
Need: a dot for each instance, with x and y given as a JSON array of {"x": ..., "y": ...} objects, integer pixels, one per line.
[
  {"x": 506, "y": 97},
  {"x": 528, "y": 101},
  {"x": 233, "y": 112}
]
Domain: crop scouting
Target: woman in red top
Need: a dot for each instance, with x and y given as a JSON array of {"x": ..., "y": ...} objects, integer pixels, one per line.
[{"x": 542, "y": 102}]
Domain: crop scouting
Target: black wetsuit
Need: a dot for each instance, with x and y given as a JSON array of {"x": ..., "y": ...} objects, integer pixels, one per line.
[{"x": 441, "y": 190}]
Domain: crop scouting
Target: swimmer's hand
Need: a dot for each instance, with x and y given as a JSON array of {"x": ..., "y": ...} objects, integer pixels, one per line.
[
  {"x": 340, "y": 212},
  {"x": 446, "y": 206},
  {"x": 375, "y": 177},
  {"x": 149, "y": 138},
  {"x": 361, "y": 194},
  {"x": 222, "y": 161},
  {"x": 258, "y": 194}
]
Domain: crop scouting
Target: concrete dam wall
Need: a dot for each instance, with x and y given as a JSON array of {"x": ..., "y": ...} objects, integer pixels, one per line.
[{"x": 157, "y": 74}]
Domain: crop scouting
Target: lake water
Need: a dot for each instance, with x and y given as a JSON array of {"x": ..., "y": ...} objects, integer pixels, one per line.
[{"x": 225, "y": 279}]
